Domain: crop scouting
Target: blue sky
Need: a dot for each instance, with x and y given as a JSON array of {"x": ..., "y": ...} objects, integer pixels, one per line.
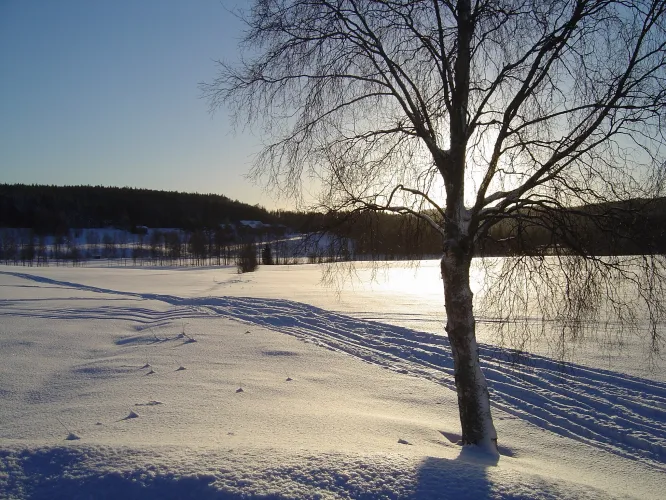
[{"x": 105, "y": 92}]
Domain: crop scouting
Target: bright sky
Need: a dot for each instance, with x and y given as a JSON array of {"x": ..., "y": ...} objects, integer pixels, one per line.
[{"x": 106, "y": 93}]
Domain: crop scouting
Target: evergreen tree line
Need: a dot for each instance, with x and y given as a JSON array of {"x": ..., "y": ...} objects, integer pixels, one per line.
[
  {"x": 51, "y": 210},
  {"x": 634, "y": 227},
  {"x": 211, "y": 222}
]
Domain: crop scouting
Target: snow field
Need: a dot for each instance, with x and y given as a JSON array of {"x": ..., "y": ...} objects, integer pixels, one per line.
[{"x": 76, "y": 344}]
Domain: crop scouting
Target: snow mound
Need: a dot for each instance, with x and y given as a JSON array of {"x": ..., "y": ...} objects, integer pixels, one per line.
[{"x": 103, "y": 472}]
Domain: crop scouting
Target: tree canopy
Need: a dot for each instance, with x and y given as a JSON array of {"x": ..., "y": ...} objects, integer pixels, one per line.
[{"x": 467, "y": 114}]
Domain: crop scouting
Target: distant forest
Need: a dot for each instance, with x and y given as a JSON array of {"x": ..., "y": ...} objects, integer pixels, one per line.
[
  {"x": 56, "y": 209},
  {"x": 632, "y": 227}
]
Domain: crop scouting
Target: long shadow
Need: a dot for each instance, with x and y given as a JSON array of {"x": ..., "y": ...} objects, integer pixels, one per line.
[
  {"x": 56, "y": 299},
  {"x": 463, "y": 478},
  {"x": 61, "y": 473},
  {"x": 468, "y": 477},
  {"x": 22, "y": 286},
  {"x": 622, "y": 414},
  {"x": 75, "y": 473}
]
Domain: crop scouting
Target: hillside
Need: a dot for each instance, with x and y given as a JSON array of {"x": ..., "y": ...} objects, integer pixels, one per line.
[
  {"x": 630, "y": 227},
  {"x": 55, "y": 209}
]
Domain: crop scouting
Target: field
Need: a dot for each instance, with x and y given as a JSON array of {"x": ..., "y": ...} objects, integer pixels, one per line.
[{"x": 203, "y": 383}]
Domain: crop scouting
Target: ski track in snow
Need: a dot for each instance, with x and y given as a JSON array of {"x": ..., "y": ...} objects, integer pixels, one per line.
[{"x": 622, "y": 414}]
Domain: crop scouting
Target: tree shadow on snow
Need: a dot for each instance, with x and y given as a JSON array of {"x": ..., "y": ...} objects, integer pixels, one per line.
[
  {"x": 62, "y": 473},
  {"x": 468, "y": 476},
  {"x": 619, "y": 413},
  {"x": 465, "y": 477}
]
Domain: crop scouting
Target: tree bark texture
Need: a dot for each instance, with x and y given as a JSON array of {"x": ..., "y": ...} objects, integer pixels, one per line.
[{"x": 472, "y": 388}]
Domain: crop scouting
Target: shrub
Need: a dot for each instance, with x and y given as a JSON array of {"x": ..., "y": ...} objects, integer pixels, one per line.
[
  {"x": 247, "y": 259},
  {"x": 267, "y": 256}
]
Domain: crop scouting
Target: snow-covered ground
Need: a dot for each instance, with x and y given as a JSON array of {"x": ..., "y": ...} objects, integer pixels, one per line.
[{"x": 346, "y": 393}]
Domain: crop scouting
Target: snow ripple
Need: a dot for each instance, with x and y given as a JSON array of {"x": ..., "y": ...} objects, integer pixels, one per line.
[{"x": 620, "y": 413}]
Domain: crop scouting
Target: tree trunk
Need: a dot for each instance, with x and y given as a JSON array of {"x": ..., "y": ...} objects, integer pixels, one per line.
[{"x": 473, "y": 398}]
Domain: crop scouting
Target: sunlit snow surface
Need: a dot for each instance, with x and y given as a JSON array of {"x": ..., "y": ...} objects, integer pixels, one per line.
[{"x": 346, "y": 392}]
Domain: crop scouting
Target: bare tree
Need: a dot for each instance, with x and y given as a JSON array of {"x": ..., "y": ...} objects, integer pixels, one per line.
[
  {"x": 58, "y": 247},
  {"x": 109, "y": 242},
  {"x": 123, "y": 240},
  {"x": 197, "y": 247},
  {"x": 27, "y": 247},
  {"x": 42, "y": 251},
  {"x": 92, "y": 244},
  {"x": 155, "y": 242},
  {"x": 74, "y": 251},
  {"x": 467, "y": 114},
  {"x": 173, "y": 242},
  {"x": 11, "y": 247},
  {"x": 247, "y": 261}
]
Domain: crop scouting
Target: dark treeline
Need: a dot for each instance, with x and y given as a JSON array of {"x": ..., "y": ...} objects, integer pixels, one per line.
[
  {"x": 379, "y": 235},
  {"x": 56, "y": 209},
  {"x": 633, "y": 227}
]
